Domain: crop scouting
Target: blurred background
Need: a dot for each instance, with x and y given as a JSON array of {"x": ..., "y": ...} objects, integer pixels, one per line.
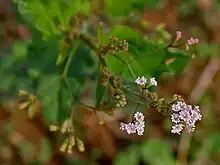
[{"x": 25, "y": 141}]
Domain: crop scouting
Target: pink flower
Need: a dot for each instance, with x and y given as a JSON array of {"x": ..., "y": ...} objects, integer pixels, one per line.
[
  {"x": 136, "y": 126},
  {"x": 184, "y": 116},
  {"x": 178, "y": 35}
]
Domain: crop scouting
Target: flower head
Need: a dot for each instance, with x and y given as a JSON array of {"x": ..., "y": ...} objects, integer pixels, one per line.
[
  {"x": 139, "y": 116},
  {"x": 136, "y": 126},
  {"x": 184, "y": 116},
  {"x": 141, "y": 80},
  {"x": 153, "y": 82},
  {"x": 191, "y": 41},
  {"x": 177, "y": 128}
]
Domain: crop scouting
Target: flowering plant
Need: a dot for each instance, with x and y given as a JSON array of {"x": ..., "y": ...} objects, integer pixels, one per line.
[{"x": 65, "y": 52}]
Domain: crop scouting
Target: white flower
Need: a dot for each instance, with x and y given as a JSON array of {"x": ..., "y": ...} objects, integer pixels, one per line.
[
  {"x": 140, "y": 130},
  {"x": 184, "y": 116},
  {"x": 130, "y": 128},
  {"x": 139, "y": 116},
  {"x": 136, "y": 126},
  {"x": 177, "y": 128},
  {"x": 141, "y": 80},
  {"x": 176, "y": 108},
  {"x": 153, "y": 82},
  {"x": 196, "y": 115},
  {"x": 122, "y": 126},
  {"x": 175, "y": 118}
]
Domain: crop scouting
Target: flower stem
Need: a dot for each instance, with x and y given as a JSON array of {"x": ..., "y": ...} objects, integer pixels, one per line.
[
  {"x": 73, "y": 51},
  {"x": 128, "y": 65}
]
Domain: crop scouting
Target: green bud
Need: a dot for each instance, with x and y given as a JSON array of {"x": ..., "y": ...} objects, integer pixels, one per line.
[
  {"x": 80, "y": 145},
  {"x": 24, "y": 105},
  {"x": 53, "y": 128},
  {"x": 64, "y": 145}
]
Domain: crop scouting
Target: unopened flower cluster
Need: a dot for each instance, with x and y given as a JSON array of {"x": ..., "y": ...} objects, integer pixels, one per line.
[
  {"x": 142, "y": 81},
  {"x": 184, "y": 117},
  {"x": 136, "y": 126},
  {"x": 189, "y": 42}
]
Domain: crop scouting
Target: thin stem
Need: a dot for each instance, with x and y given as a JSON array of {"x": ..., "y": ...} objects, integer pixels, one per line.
[
  {"x": 88, "y": 106},
  {"x": 136, "y": 108},
  {"x": 72, "y": 53},
  {"x": 128, "y": 65}
]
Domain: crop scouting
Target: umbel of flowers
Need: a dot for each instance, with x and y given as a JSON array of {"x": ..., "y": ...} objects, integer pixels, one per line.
[{"x": 183, "y": 116}]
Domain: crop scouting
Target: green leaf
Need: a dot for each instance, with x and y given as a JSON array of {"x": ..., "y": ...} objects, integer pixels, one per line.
[
  {"x": 49, "y": 92},
  {"x": 64, "y": 100},
  {"x": 131, "y": 156},
  {"x": 156, "y": 152},
  {"x": 126, "y": 33},
  {"x": 74, "y": 7}
]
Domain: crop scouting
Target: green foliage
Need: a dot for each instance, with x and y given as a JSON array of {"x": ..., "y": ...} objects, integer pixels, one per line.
[
  {"x": 61, "y": 57},
  {"x": 129, "y": 5},
  {"x": 50, "y": 17},
  {"x": 211, "y": 143},
  {"x": 49, "y": 90},
  {"x": 145, "y": 57},
  {"x": 156, "y": 152},
  {"x": 152, "y": 152},
  {"x": 206, "y": 50},
  {"x": 130, "y": 156}
]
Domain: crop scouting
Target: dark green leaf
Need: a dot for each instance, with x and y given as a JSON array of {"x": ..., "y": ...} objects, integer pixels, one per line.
[{"x": 49, "y": 92}]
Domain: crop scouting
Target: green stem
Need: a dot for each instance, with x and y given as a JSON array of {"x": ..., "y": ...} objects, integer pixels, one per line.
[
  {"x": 128, "y": 65},
  {"x": 67, "y": 66}
]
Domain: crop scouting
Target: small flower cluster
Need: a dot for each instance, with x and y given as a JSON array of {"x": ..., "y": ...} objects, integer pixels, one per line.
[
  {"x": 66, "y": 127},
  {"x": 136, "y": 126},
  {"x": 189, "y": 42},
  {"x": 105, "y": 76},
  {"x": 115, "y": 45},
  {"x": 142, "y": 81},
  {"x": 121, "y": 100},
  {"x": 123, "y": 45},
  {"x": 70, "y": 142},
  {"x": 184, "y": 117}
]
